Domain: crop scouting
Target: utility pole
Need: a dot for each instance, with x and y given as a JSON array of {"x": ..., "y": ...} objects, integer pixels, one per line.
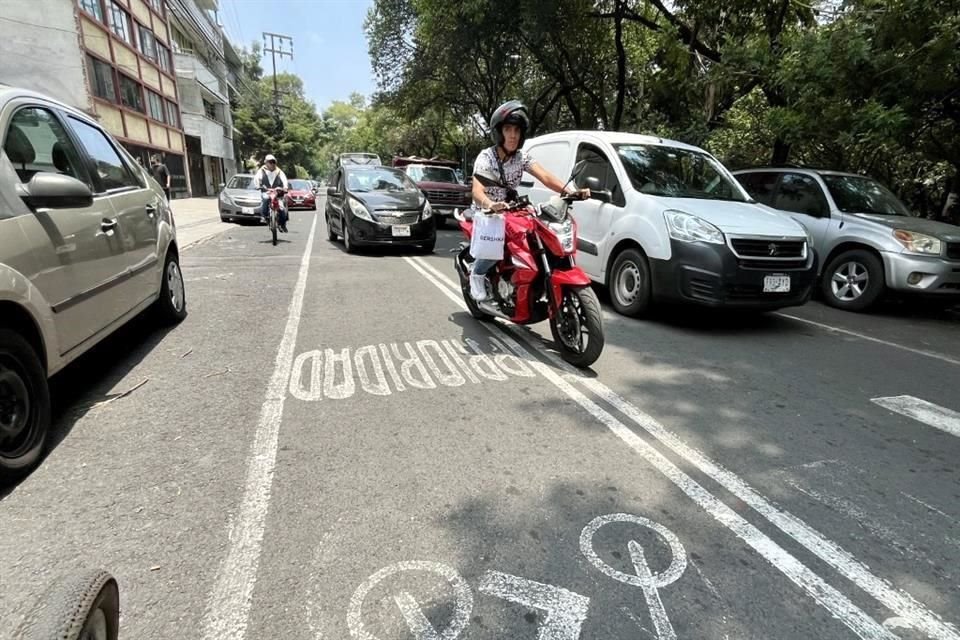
[{"x": 276, "y": 48}]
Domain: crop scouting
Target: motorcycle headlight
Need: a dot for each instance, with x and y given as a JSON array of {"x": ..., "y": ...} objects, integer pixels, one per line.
[
  {"x": 564, "y": 231},
  {"x": 918, "y": 242},
  {"x": 359, "y": 210},
  {"x": 687, "y": 227},
  {"x": 427, "y": 210}
]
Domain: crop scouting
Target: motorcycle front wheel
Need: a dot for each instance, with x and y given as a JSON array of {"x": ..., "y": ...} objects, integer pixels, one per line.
[
  {"x": 273, "y": 226},
  {"x": 577, "y": 327}
]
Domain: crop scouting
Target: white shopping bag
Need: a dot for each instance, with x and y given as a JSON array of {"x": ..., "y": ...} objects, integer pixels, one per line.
[{"x": 487, "y": 240}]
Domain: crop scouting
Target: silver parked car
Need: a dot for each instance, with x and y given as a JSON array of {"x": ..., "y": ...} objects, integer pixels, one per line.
[
  {"x": 240, "y": 199},
  {"x": 867, "y": 240},
  {"x": 87, "y": 241}
]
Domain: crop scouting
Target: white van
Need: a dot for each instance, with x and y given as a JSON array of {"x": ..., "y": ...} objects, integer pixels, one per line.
[{"x": 669, "y": 222}]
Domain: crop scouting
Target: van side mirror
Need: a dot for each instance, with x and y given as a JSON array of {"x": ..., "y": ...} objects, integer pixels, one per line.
[
  {"x": 48, "y": 190},
  {"x": 596, "y": 192},
  {"x": 332, "y": 191}
]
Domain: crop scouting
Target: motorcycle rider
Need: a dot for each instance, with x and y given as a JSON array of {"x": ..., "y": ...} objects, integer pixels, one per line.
[
  {"x": 508, "y": 128},
  {"x": 270, "y": 176}
]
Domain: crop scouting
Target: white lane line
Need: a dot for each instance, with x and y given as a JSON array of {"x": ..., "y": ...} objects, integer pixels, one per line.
[
  {"x": 919, "y": 352},
  {"x": 926, "y": 412},
  {"x": 898, "y": 601},
  {"x": 228, "y": 606},
  {"x": 839, "y": 605}
]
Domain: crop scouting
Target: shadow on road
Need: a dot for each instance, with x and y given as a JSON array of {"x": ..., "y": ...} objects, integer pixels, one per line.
[{"x": 87, "y": 381}]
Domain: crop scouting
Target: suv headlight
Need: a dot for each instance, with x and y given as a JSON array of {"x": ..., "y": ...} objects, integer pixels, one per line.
[
  {"x": 225, "y": 197},
  {"x": 564, "y": 231},
  {"x": 918, "y": 242},
  {"x": 427, "y": 210},
  {"x": 687, "y": 227},
  {"x": 359, "y": 210}
]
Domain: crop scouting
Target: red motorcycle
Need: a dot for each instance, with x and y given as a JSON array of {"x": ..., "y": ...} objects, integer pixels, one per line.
[
  {"x": 538, "y": 278},
  {"x": 276, "y": 202}
]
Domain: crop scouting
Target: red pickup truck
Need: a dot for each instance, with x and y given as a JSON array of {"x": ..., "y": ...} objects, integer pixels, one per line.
[{"x": 438, "y": 181}]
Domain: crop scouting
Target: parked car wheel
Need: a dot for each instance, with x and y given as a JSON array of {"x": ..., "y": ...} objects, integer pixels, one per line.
[
  {"x": 331, "y": 234},
  {"x": 171, "y": 306},
  {"x": 853, "y": 280},
  {"x": 630, "y": 285},
  {"x": 24, "y": 406}
]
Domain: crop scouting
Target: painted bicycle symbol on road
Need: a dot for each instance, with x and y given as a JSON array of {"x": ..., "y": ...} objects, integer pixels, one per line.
[{"x": 564, "y": 611}]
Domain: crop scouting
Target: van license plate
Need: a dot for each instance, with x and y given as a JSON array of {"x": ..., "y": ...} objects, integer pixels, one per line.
[
  {"x": 401, "y": 231},
  {"x": 776, "y": 284}
]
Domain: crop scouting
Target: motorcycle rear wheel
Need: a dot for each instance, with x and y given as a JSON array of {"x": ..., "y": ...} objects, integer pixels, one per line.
[{"x": 577, "y": 327}]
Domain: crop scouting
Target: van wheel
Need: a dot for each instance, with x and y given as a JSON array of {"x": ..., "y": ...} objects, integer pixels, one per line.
[
  {"x": 629, "y": 283},
  {"x": 853, "y": 280},
  {"x": 24, "y": 406}
]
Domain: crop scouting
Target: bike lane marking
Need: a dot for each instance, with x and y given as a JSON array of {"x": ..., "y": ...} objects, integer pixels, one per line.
[
  {"x": 228, "y": 608},
  {"x": 903, "y": 604},
  {"x": 947, "y": 420}
]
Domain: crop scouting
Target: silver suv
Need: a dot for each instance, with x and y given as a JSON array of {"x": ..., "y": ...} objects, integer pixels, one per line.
[
  {"x": 87, "y": 241},
  {"x": 866, "y": 239}
]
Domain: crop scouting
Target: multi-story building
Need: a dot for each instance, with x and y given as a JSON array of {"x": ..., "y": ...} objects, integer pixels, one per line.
[
  {"x": 200, "y": 59},
  {"x": 110, "y": 58}
]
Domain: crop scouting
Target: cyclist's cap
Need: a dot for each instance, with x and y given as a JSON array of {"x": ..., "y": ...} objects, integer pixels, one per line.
[{"x": 269, "y": 158}]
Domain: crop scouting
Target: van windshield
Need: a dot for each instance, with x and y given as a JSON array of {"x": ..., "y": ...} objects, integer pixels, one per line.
[{"x": 677, "y": 173}]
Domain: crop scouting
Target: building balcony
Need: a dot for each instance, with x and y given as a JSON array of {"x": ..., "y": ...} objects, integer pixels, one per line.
[
  {"x": 212, "y": 134},
  {"x": 189, "y": 67}
]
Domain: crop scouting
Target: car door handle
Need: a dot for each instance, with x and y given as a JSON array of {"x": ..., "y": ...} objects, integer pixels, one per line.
[
  {"x": 107, "y": 224},
  {"x": 151, "y": 210}
]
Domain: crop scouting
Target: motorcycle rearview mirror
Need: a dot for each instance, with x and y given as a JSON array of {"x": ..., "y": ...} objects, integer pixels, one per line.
[
  {"x": 578, "y": 169},
  {"x": 488, "y": 178}
]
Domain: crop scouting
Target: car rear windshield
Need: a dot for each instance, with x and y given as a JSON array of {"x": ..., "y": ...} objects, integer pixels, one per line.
[
  {"x": 241, "y": 182},
  {"x": 677, "y": 173},
  {"x": 382, "y": 179},
  {"x": 432, "y": 174},
  {"x": 859, "y": 194},
  {"x": 300, "y": 185}
]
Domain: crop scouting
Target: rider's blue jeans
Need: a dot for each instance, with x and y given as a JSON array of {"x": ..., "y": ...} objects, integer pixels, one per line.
[
  {"x": 265, "y": 210},
  {"x": 482, "y": 266}
]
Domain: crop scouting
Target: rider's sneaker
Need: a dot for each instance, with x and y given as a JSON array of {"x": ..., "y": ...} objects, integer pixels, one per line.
[{"x": 478, "y": 287}]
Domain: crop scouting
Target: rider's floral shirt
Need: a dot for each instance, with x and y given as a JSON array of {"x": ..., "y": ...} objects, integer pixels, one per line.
[{"x": 513, "y": 168}]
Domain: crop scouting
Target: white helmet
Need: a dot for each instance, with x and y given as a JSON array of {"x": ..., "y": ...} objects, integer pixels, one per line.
[{"x": 269, "y": 158}]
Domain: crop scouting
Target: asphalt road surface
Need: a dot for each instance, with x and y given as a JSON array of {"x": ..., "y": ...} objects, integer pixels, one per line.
[{"x": 329, "y": 447}]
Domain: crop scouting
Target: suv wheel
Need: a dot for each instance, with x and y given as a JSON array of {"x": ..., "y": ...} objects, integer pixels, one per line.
[
  {"x": 24, "y": 406},
  {"x": 853, "y": 280}
]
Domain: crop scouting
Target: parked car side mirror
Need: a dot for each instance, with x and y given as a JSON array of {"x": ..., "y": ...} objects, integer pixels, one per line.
[
  {"x": 222, "y": 186},
  {"x": 596, "y": 192},
  {"x": 332, "y": 191},
  {"x": 48, "y": 190}
]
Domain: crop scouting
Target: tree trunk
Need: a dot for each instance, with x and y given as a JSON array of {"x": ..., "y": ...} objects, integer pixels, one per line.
[
  {"x": 781, "y": 152},
  {"x": 621, "y": 64}
]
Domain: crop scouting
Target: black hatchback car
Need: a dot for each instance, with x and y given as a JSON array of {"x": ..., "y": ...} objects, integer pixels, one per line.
[{"x": 368, "y": 205}]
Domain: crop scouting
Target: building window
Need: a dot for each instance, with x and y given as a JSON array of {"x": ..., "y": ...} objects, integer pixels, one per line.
[
  {"x": 155, "y": 105},
  {"x": 130, "y": 94},
  {"x": 120, "y": 23},
  {"x": 101, "y": 79},
  {"x": 93, "y": 8},
  {"x": 173, "y": 115},
  {"x": 148, "y": 43},
  {"x": 157, "y": 5},
  {"x": 210, "y": 110},
  {"x": 163, "y": 55}
]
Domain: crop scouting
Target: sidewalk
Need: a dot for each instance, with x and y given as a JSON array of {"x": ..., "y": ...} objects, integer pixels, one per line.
[{"x": 197, "y": 219}]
